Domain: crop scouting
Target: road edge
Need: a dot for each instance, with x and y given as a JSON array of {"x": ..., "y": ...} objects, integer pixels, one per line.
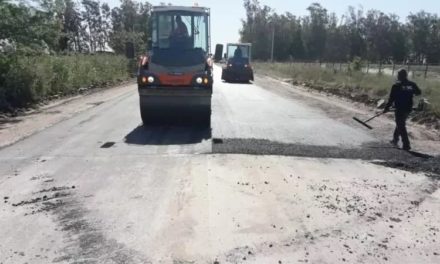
[{"x": 82, "y": 100}]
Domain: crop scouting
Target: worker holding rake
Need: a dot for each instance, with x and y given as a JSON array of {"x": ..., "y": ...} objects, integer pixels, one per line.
[{"x": 401, "y": 97}]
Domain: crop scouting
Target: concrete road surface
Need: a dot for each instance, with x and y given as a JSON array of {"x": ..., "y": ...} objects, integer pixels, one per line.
[{"x": 281, "y": 178}]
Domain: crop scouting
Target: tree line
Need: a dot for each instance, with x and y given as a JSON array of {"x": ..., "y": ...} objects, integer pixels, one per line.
[
  {"x": 63, "y": 26},
  {"x": 323, "y": 36},
  {"x": 53, "y": 48}
]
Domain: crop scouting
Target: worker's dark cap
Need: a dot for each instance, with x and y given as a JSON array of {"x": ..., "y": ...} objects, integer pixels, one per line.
[{"x": 402, "y": 73}]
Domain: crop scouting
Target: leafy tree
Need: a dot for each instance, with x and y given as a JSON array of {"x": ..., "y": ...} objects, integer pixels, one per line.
[
  {"x": 72, "y": 28},
  {"x": 92, "y": 18},
  {"x": 257, "y": 28},
  {"x": 315, "y": 31},
  {"x": 371, "y": 35},
  {"x": 337, "y": 43},
  {"x": 130, "y": 24},
  {"x": 418, "y": 26},
  {"x": 29, "y": 28},
  {"x": 355, "y": 31}
]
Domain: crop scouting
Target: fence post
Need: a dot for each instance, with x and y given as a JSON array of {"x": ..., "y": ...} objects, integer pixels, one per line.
[
  {"x": 340, "y": 67},
  {"x": 426, "y": 70},
  {"x": 368, "y": 67},
  {"x": 394, "y": 68}
]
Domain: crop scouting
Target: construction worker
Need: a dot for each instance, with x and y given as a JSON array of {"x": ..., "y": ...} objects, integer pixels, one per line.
[
  {"x": 401, "y": 97},
  {"x": 238, "y": 53},
  {"x": 181, "y": 31}
]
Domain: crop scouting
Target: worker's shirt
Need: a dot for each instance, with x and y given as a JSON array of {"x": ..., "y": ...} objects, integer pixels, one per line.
[
  {"x": 181, "y": 30},
  {"x": 402, "y": 95}
]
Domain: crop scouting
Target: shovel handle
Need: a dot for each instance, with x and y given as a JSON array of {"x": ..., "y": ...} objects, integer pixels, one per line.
[{"x": 376, "y": 116}]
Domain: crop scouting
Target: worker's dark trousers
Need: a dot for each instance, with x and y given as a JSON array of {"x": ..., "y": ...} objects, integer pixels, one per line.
[{"x": 401, "y": 117}]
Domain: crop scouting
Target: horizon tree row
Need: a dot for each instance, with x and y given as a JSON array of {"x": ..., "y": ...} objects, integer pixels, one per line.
[
  {"x": 63, "y": 26},
  {"x": 323, "y": 36}
]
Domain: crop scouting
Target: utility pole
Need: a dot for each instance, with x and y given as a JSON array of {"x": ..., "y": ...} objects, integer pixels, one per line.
[{"x": 273, "y": 43}]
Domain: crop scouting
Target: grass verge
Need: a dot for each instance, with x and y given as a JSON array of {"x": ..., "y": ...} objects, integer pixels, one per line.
[{"x": 26, "y": 81}]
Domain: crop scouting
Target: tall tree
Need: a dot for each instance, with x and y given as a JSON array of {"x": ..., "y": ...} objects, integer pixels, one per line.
[
  {"x": 130, "y": 24},
  {"x": 257, "y": 28},
  {"x": 354, "y": 27},
  {"x": 315, "y": 33},
  {"x": 92, "y": 18},
  {"x": 423, "y": 28},
  {"x": 337, "y": 47},
  {"x": 71, "y": 37}
]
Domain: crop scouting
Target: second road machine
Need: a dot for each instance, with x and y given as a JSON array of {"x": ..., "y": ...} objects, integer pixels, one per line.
[
  {"x": 175, "y": 76},
  {"x": 238, "y": 63}
]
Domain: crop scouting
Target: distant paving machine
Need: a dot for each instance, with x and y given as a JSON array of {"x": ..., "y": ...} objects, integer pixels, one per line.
[
  {"x": 238, "y": 63},
  {"x": 175, "y": 76}
]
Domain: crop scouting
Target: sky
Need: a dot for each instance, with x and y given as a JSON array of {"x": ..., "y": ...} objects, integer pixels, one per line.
[{"x": 226, "y": 15}]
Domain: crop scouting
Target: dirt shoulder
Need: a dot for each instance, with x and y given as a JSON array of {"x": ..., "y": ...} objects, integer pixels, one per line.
[
  {"x": 13, "y": 129},
  {"x": 342, "y": 109},
  {"x": 367, "y": 89}
]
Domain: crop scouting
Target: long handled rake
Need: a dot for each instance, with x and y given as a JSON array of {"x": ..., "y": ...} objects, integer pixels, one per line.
[{"x": 364, "y": 123}]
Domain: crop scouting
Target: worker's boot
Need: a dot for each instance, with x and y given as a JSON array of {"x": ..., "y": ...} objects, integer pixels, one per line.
[
  {"x": 394, "y": 143},
  {"x": 406, "y": 147}
]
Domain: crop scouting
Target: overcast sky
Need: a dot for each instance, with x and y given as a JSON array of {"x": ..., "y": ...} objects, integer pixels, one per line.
[{"x": 226, "y": 15}]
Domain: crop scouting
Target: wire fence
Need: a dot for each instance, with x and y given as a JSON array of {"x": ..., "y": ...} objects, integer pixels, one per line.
[{"x": 427, "y": 71}]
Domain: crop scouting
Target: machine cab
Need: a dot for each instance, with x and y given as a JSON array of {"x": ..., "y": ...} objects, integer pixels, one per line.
[
  {"x": 239, "y": 54},
  {"x": 179, "y": 36}
]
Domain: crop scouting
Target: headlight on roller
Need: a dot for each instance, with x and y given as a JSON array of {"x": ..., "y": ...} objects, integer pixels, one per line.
[
  {"x": 199, "y": 80},
  {"x": 151, "y": 79}
]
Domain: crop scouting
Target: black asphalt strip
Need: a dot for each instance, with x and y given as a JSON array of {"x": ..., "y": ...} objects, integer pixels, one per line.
[{"x": 382, "y": 154}]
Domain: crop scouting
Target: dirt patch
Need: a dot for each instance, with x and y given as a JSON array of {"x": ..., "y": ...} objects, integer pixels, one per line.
[
  {"x": 429, "y": 118},
  {"x": 56, "y": 189},
  {"x": 85, "y": 240},
  {"x": 56, "y": 195}
]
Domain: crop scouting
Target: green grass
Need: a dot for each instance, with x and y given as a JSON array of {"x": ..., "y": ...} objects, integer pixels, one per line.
[
  {"x": 25, "y": 81},
  {"x": 368, "y": 88}
]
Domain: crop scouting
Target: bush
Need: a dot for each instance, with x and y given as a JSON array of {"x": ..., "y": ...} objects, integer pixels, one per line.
[
  {"x": 25, "y": 81},
  {"x": 357, "y": 64},
  {"x": 19, "y": 87}
]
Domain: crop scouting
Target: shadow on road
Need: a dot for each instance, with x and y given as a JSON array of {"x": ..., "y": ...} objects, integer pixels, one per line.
[
  {"x": 237, "y": 82},
  {"x": 167, "y": 135},
  {"x": 420, "y": 155}
]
